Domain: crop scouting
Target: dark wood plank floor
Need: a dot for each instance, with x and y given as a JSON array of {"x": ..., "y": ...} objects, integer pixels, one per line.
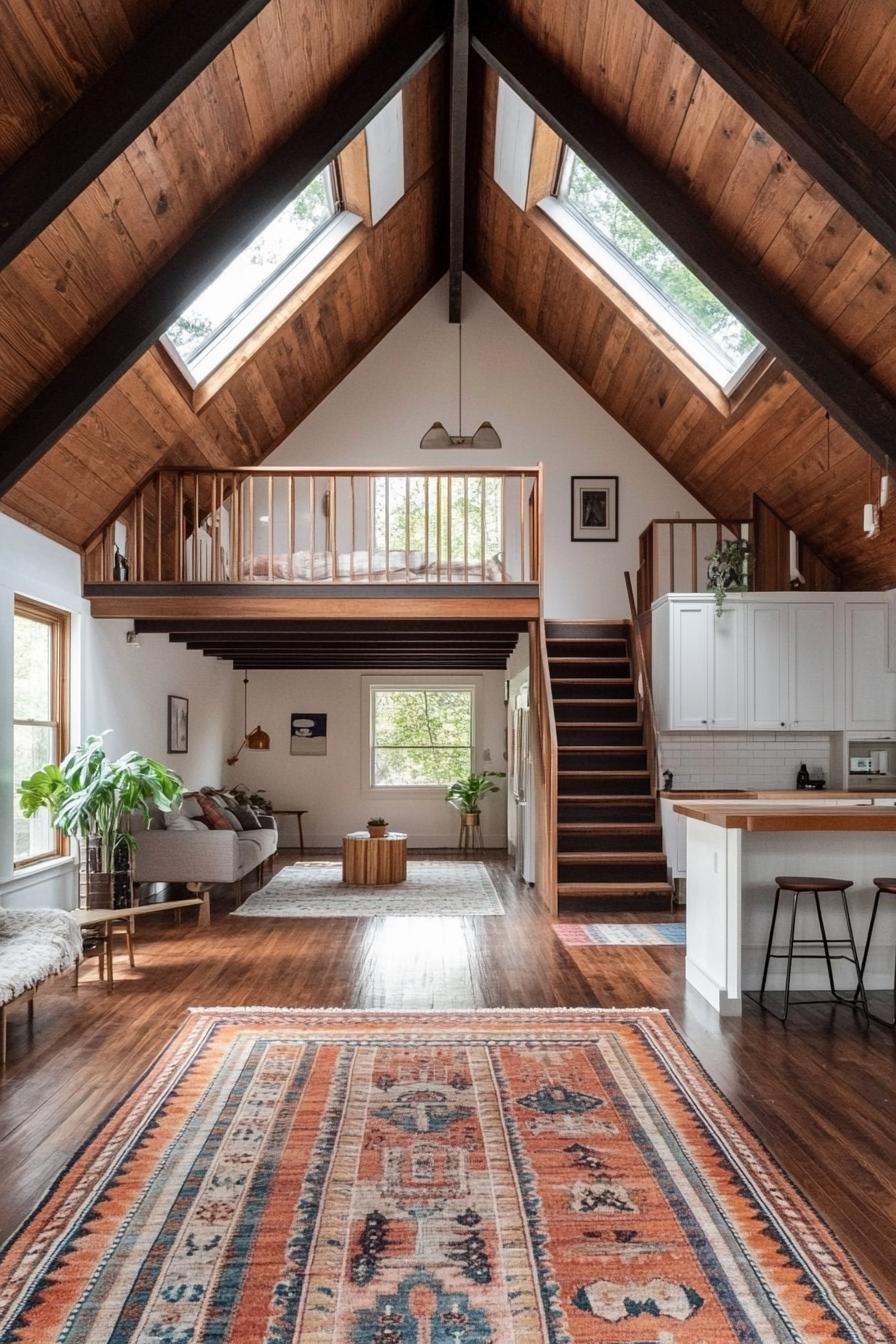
[{"x": 821, "y": 1093}]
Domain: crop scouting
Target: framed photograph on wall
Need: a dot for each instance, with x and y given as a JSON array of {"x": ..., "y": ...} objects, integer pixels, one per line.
[
  {"x": 178, "y": 725},
  {"x": 595, "y": 508},
  {"x": 308, "y": 735}
]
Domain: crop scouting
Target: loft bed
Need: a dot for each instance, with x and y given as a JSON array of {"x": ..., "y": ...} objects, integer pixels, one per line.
[{"x": 300, "y": 542}]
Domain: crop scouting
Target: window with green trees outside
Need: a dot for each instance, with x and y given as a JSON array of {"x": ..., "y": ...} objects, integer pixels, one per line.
[{"x": 420, "y": 736}]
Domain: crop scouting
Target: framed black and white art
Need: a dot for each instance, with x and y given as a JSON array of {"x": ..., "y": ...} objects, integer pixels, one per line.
[
  {"x": 595, "y": 508},
  {"x": 178, "y": 725}
]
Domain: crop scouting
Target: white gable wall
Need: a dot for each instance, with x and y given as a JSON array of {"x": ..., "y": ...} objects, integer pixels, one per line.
[{"x": 378, "y": 414}]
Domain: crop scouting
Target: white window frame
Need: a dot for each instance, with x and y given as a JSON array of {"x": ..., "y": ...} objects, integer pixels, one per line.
[
  {"x": 369, "y": 685},
  {"x": 624, "y": 274},
  {"x": 59, "y": 621},
  {"x": 311, "y": 254}
]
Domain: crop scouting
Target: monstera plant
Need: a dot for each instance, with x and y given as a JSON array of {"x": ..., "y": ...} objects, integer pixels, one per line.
[{"x": 91, "y": 799}]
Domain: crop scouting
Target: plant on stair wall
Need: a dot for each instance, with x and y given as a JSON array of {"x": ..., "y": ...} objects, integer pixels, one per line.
[
  {"x": 728, "y": 569},
  {"x": 90, "y": 798}
]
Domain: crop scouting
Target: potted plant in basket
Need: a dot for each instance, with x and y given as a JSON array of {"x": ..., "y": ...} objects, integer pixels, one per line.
[
  {"x": 377, "y": 827},
  {"x": 91, "y": 798},
  {"x": 466, "y": 794},
  {"x": 728, "y": 569}
]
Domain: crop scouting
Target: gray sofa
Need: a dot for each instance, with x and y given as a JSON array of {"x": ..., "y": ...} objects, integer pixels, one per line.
[{"x": 178, "y": 847}]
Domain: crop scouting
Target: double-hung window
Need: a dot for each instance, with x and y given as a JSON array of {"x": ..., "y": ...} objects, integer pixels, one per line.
[
  {"x": 40, "y": 713},
  {"x": 421, "y": 735}
]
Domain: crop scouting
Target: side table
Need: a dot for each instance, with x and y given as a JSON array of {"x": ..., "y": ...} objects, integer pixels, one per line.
[
  {"x": 298, "y": 813},
  {"x": 380, "y": 861}
]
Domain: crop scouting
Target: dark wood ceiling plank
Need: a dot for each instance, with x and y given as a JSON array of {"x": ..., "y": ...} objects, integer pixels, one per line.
[
  {"x": 829, "y": 374},
  {"x": 112, "y": 112},
  {"x": 789, "y": 102},
  {"x": 352, "y": 103}
]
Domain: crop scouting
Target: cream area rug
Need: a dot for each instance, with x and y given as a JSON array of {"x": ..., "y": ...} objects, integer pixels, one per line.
[{"x": 433, "y": 887}]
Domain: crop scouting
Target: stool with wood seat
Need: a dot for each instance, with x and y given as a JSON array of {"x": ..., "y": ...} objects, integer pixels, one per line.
[
  {"x": 884, "y": 886},
  {"x": 813, "y": 886}
]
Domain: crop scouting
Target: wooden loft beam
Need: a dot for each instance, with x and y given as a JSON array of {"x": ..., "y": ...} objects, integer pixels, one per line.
[
  {"x": 808, "y": 353},
  {"x": 112, "y": 113},
  {"x": 823, "y": 135},
  {"x": 345, "y": 113},
  {"x": 457, "y": 155}
]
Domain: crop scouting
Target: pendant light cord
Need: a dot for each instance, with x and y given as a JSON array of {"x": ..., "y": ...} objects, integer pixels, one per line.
[{"x": 460, "y": 378}]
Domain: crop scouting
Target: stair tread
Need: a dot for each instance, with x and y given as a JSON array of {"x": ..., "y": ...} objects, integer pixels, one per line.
[
  {"x": 629, "y": 827},
  {"x": 607, "y": 774},
  {"x": 612, "y": 888},
  {"x": 612, "y": 856},
  {"x": 620, "y": 748}
]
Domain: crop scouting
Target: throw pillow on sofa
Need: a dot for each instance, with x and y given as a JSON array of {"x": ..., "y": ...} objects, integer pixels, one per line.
[
  {"x": 246, "y": 817},
  {"x": 216, "y": 816},
  {"x": 178, "y": 822}
]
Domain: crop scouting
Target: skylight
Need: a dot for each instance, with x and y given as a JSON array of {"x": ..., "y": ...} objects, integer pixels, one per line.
[
  {"x": 258, "y": 279},
  {"x": 667, "y": 291}
]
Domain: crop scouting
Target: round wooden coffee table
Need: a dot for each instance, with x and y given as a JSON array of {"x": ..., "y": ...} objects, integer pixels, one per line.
[{"x": 374, "y": 862}]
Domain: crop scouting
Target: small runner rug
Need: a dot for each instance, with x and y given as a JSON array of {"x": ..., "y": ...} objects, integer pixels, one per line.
[
  {"x": 621, "y": 935},
  {"x": 500, "y": 1177},
  {"x": 315, "y": 889}
]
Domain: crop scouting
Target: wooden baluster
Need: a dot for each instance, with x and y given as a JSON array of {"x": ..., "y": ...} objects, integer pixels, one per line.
[
  {"x": 236, "y": 539},
  {"x": 312, "y": 528},
  {"x": 502, "y": 506},
  {"x": 693, "y": 557},
  {"x": 181, "y": 524},
  {"x": 407, "y": 529},
  {"x": 388, "y": 527},
  {"x": 466, "y": 578},
  {"x": 216, "y": 482},
  {"x": 331, "y": 524},
  {"x": 351, "y": 553},
  {"x": 522, "y": 522},
  {"x": 291, "y": 527},
  {"x": 371, "y": 526},
  {"x": 426, "y": 550},
  {"x": 195, "y": 547},
  {"x": 251, "y": 528},
  {"x": 448, "y": 521},
  {"x": 438, "y": 529},
  {"x": 482, "y": 507},
  {"x": 270, "y": 529}
]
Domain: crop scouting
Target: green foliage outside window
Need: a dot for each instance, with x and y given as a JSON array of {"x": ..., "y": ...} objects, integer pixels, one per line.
[{"x": 421, "y": 736}]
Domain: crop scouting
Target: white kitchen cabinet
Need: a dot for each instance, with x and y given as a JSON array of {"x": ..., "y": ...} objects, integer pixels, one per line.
[
  {"x": 812, "y": 648},
  {"x": 870, "y": 685},
  {"x": 698, "y": 666},
  {"x": 767, "y": 671}
]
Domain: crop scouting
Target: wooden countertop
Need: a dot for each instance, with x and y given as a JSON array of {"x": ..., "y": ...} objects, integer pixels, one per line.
[{"x": 743, "y": 816}]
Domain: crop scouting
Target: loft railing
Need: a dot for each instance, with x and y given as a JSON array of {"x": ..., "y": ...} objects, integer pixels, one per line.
[
  {"x": 673, "y": 552},
  {"x": 542, "y": 704},
  {"x": 643, "y": 691},
  {"x": 315, "y": 526}
]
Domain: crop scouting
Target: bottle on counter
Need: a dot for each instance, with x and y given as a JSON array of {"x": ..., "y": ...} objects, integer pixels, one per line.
[{"x": 802, "y": 777}]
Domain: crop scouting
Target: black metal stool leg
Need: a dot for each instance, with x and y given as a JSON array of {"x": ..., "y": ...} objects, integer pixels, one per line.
[
  {"x": 796, "y": 901},
  {"x": 824, "y": 940},
  {"x": 884, "y": 1021},
  {"x": 855, "y": 954},
  {"x": 771, "y": 940}
]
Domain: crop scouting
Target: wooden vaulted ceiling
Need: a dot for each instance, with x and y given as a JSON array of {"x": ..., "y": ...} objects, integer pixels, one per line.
[{"x": 99, "y": 252}]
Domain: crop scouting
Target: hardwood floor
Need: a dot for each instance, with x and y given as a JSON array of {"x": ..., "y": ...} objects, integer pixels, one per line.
[{"x": 820, "y": 1093}]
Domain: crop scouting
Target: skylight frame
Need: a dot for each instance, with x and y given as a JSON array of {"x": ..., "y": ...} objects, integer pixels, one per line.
[
  {"x": 220, "y": 344},
  {"x": 695, "y": 344}
]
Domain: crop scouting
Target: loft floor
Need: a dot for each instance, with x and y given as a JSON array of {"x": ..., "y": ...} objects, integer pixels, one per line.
[{"x": 818, "y": 1093}]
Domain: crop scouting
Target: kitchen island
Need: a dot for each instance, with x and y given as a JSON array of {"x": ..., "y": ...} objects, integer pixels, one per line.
[{"x": 736, "y": 848}]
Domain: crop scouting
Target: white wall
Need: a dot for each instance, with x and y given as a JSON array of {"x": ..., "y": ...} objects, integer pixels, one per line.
[
  {"x": 333, "y": 788},
  {"x": 112, "y": 686},
  {"x": 378, "y": 413}
]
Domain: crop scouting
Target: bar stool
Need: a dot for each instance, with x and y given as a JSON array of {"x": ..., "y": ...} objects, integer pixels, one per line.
[
  {"x": 884, "y": 886},
  {"x": 814, "y": 886}
]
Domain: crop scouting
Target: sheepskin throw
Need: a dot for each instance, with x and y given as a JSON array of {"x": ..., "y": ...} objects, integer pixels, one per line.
[{"x": 33, "y": 945}]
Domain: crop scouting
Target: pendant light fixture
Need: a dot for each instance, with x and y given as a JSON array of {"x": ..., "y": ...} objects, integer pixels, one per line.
[
  {"x": 437, "y": 436},
  {"x": 258, "y": 739}
]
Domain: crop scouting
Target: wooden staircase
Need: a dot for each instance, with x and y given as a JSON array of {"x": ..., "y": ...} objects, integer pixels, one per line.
[{"x": 609, "y": 837}]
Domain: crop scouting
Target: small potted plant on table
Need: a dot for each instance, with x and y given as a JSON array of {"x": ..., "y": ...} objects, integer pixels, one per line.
[{"x": 377, "y": 827}]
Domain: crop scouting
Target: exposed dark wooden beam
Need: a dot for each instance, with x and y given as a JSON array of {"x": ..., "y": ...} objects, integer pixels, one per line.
[
  {"x": 810, "y": 355},
  {"x": 112, "y": 113},
  {"x": 824, "y": 136},
  {"x": 195, "y": 628},
  {"x": 344, "y": 114},
  {"x": 457, "y": 156}
]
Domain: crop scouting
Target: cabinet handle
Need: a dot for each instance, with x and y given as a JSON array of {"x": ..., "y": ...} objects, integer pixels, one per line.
[
  {"x": 783, "y": 724},
  {"x": 703, "y": 720}
]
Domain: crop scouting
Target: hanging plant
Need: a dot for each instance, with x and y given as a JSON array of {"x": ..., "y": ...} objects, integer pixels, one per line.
[{"x": 728, "y": 570}]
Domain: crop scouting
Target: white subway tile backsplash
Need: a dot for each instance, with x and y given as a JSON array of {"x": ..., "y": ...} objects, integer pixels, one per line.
[{"x": 743, "y": 760}]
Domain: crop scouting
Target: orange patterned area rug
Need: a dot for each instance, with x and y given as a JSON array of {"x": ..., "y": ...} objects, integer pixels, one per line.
[{"x": 493, "y": 1177}]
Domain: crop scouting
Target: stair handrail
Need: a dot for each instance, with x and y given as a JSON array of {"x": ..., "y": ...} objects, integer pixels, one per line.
[
  {"x": 643, "y": 690},
  {"x": 543, "y": 700}
]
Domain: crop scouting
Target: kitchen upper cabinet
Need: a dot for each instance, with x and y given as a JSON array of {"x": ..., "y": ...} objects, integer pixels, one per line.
[
  {"x": 870, "y": 685},
  {"x": 812, "y": 648},
  {"x": 767, "y": 672},
  {"x": 698, "y": 666}
]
